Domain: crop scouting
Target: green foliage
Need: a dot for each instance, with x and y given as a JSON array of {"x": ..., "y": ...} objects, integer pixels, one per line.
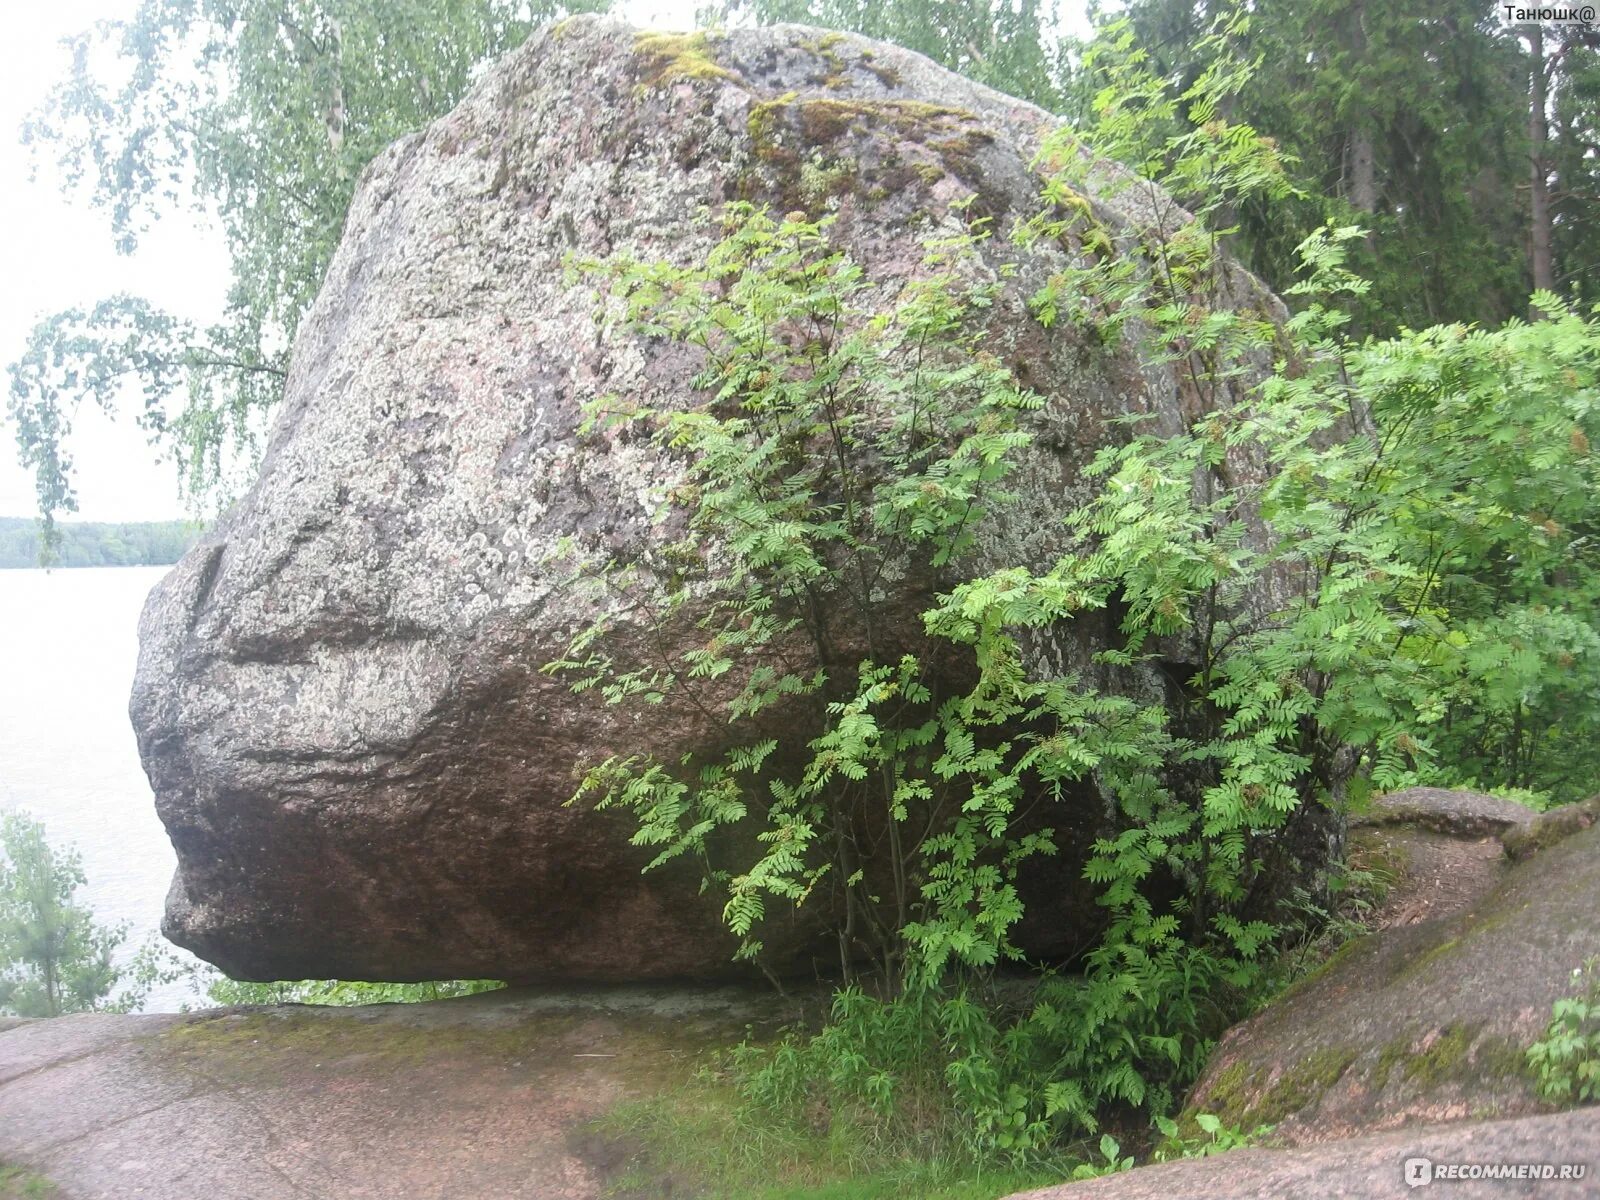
[
  {"x": 54, "y": 959},
  {"x": 342, "y": 991},
  {"x": 1567, "y": 1058},
  {"x": 1112, "y": 1161},
  {"x": 707, "y": 1137},
  {"x": 1408, "y": 122},
  {"x": 1573, "y": 62},
  {"x": 798, "y": 505},
  {"x": 1210, "y": 1136},
  {"x": 262, "y": 113},
  {"x": 1376, "y": 555},
  {"x": 836, "y": 449},
  {"x": 1488, "y": 481},
  {"x": 1411, "y": 122},
  {"x": 96, "y": 544}
]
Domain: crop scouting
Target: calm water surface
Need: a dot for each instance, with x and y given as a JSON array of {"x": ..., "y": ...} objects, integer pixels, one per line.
[{"x": 68, "y": 643}]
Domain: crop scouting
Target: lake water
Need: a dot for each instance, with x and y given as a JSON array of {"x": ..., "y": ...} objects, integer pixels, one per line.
[{"x": 68, "y": 643}]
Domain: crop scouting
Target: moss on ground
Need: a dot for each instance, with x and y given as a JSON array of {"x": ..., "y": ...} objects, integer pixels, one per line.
[
  {"x": 1501, "y": 1058},
  {"x": 1346, "y": 952},
  {"x": 1393, "y": 1054},
  {"x": 1242, "y": 1097},
  {"x": 276, "y": 1047},
  {"x": 20, "y": 1183},
  {"x": 702, "y": 1139},
  {"x": 1551, "y": 827},
  {"x": 1232, "y": 1095},
  {"x": 1458, "y": 1054},
  {"x": 1423, "y": 963},
  {"x": 282, "y": 1047}
]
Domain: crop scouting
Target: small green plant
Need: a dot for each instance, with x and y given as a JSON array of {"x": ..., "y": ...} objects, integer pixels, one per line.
[
  {"x": 1567, "y": 1058},
  {"x": 1213, "y": 1138},
  {"x": 1112, "y": 1161}
]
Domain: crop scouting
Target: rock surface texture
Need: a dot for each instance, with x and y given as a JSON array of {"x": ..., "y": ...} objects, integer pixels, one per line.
[
  {"x": 486, "y": 1096},
  {"x": 1372, "y": 1168},
  {"x": 339, "y": 699},
  {"x": 1419, "y": 1022},
  {"x": 491, "y": 1096},
  {"x": 1449, "y": 811}
]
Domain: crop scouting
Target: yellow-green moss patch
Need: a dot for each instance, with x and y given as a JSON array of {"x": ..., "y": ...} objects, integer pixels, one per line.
[
  {"x": 826, "y": 119},
  {"x": 1233, "y": 1093},
  {"x": 1303, "y": 1084},
  {"x": 19, "y": 1183},
  {"x": 669, "y": 57},
  {"x": 1441, "y": 1060}
]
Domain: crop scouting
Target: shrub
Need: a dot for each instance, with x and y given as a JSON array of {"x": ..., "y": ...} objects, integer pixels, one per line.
[{"x": 1408, "y": 575}]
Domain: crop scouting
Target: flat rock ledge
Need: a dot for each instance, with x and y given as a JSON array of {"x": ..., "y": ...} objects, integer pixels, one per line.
[
  {"x": 1421, "y": 1023},
  {"x": 1370, "y": 1168},
  {"x": 1456, "y": 812},
  {"x": 485, "y": 1096}
]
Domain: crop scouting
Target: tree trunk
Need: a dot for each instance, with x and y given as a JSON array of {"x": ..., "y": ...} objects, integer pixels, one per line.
[
  {"x": 1361, "y": 160},
  {"x": 1540, "y": 229},
  {"x": 1363, "y": 190}
]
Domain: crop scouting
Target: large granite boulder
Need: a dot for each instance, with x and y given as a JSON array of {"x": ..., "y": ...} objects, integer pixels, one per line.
[{"x": 339, "y": 699}]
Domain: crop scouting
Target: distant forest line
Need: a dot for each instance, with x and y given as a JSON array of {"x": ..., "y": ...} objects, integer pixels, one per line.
[{"x": 98, "y": 543}]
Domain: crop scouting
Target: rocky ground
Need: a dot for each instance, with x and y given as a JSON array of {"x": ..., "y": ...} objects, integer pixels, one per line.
[
  {"x": 1367, "y": 1168},
  {"x": 485, "y": 1096},
  {"x": 1429, "y": 1018},
  {"x": 1407, "y": 1044}
]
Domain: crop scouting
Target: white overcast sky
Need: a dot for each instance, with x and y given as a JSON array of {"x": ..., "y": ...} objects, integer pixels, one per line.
[{"x": 57, "y": 252}]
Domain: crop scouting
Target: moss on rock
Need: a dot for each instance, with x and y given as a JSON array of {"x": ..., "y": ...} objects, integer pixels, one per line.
[
  {"x": 1440, "y": 1058},
  {"x": 670, "y": 57},
  {"x": 1300, "y": 1087}
]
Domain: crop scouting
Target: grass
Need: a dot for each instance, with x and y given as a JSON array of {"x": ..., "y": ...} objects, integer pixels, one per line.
[
  {"x": 19, "y": 1183},
  {"x": 706, "y": 1141}
]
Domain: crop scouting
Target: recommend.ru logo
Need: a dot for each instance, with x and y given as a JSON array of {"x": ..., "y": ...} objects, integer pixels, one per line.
[{"x": 1419, "y": 1172}]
